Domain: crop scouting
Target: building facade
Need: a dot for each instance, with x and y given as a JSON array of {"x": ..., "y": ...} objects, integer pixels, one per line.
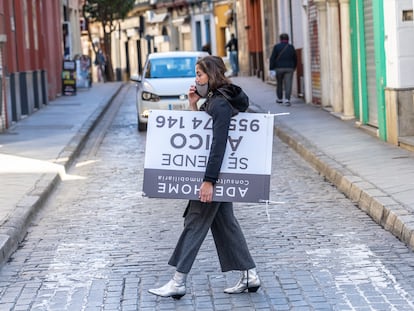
[
  {"x": 32, "y": 49},
  {"x": 355, "y": 57}
]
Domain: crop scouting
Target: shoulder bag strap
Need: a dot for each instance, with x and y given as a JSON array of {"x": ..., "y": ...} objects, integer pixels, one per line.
[{"x": 281, "y": 52}]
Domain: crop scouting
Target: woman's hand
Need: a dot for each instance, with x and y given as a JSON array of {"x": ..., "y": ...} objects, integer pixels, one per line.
[
  {"x": 193, "y": 98},
  {"x": 206, "y": 192}
]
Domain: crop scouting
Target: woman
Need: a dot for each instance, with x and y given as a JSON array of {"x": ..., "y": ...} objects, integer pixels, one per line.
[{"x": 223, "y": 100}]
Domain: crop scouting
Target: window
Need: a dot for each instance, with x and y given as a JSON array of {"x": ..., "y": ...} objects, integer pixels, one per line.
[{"x": 177, "y": 67}]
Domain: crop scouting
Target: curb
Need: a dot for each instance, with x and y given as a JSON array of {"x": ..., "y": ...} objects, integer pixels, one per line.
[
  {"x": 13, "y": 231},
  {"x": 392, "y": 215}
]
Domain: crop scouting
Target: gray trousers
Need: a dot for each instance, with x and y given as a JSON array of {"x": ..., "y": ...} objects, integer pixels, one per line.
[
  {"x": 284, "y": 79},
  {"x": 230, "y": 243}
]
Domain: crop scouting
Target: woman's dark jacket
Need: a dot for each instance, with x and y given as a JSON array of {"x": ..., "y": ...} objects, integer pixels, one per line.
[{"x": 222, "y": 105}]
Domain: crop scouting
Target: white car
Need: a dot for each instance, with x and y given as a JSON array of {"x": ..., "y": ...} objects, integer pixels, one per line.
[{"x": 164, "y": 84}]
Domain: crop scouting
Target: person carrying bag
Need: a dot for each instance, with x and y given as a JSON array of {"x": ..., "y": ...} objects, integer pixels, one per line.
[{"x": 283, "y": 60}]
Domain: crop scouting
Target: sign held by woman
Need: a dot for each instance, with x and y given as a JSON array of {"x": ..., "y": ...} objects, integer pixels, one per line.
[{"x": 177, "y": 151}]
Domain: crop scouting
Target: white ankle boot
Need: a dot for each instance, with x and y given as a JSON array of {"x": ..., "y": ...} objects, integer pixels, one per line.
[
  {"x": 249, "y": 280},
  {"x": 175, "y": 288}
]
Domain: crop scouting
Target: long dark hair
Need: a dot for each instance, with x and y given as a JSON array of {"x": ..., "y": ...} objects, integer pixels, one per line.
[{"x": 215, "y": 69}]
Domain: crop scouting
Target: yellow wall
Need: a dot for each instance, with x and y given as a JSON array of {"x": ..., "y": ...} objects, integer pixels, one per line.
[{"x": 221, "y": 18}]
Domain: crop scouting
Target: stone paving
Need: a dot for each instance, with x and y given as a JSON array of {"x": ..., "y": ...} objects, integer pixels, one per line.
[{"x": 97, "y": 244}]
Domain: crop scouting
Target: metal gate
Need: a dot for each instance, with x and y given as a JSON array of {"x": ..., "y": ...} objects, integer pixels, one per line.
[
  {"x": 315, "y": 55},
  {"x": 370, "y": 64}
]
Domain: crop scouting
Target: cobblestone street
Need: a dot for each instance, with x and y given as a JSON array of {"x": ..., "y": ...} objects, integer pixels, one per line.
[{"x": 99, "y": 245}]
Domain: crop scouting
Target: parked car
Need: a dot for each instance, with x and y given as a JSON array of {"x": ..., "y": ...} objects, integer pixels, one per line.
[{"x": 164, "y": 83}]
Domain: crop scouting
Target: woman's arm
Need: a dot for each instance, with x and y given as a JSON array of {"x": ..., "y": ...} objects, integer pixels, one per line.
[{"x": 221, "y": 112}]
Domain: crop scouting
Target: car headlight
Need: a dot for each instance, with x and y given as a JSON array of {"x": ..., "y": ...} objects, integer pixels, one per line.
[{"x": 150, "y": 96}]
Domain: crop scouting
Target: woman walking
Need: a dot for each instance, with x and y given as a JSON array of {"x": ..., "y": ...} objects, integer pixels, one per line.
[{"x": 223, "y": 100}]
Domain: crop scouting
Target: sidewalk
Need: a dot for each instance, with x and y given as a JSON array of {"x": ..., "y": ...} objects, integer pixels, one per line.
[
  {"x": 34, "y": 154},
  {"x": 378, "y": 176}
]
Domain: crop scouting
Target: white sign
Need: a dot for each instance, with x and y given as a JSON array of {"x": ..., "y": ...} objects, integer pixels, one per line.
[{"x": 177, "y": 151}]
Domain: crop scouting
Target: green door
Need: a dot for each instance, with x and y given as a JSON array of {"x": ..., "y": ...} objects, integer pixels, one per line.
[{"x": 367, "y": 35}]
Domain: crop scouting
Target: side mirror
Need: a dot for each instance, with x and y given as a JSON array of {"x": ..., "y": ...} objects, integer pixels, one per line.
[{"x": 136, "y": 78}]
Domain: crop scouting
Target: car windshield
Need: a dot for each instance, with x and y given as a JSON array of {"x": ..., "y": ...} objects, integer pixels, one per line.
[{"x": 172, "y": 67}]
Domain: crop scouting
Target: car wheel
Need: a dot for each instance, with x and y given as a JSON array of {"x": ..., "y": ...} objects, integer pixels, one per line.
[{"x": 142, "y": 126}]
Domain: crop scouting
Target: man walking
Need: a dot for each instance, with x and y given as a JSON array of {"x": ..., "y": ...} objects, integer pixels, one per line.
[
  {"x": 100, "y": 62},
  {"x": 232, "y": 48},
  {"x": 283, "y": 60}
]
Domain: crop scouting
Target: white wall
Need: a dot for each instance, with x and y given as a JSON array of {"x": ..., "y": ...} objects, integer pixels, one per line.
[
  {"x": 201, "y": 18},
  {"x": 399, "y": 47},
  {"x": 283, "y": 18},
  {"x": 297, "y": 21}
]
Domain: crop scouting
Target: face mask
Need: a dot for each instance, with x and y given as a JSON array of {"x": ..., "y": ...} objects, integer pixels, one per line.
[{"x": 202, "y": 89}]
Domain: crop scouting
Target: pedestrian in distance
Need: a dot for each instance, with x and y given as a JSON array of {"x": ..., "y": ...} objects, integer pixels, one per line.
[
  {"x": 283, "y": 61},
  {"x": 222, "y": 101},
  {"x": 232, "y": 47},
  {"x": 100, "y": 62}
]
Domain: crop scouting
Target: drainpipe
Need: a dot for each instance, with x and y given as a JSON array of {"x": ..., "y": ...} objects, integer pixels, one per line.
[
  {"x": 236, "y": 33},
  {"x": 307, "y": 77},
  {"x": 3, "y": 40},
  {"x": 291, "y": 22}
]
